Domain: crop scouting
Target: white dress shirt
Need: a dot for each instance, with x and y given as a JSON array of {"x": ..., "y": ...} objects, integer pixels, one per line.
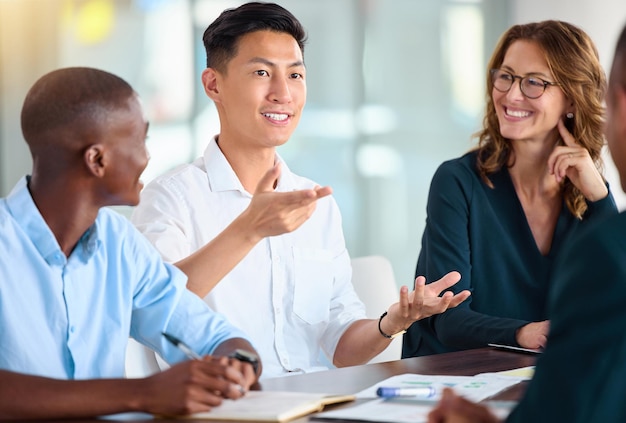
[{"x": 292, "y": 294}]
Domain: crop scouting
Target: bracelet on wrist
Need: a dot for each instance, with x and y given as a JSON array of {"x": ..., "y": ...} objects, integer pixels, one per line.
[{"x": 383, "y": 333}]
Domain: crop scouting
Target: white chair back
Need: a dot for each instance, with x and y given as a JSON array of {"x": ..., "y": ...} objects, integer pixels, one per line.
[{"x": 375, "y": 284}]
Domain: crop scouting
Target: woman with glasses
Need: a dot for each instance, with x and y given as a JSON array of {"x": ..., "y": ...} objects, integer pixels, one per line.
[{"x": 501, "y": 213}]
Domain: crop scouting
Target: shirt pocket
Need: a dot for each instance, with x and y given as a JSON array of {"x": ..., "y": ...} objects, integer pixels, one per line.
[{"x": 313, "y": 276}]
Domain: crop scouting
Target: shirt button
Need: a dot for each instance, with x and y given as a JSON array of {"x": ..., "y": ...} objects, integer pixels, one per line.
[
  {"x": 72, "y": 329},
  {"x": 277, "y": 311},
  {"x": 277, "y": 259}
]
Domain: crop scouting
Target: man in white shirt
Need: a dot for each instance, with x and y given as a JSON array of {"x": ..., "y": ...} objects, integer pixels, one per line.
[{"x": 291, "y": 293}]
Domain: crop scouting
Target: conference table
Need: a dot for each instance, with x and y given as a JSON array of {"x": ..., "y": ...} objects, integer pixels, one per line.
[
  {"x": 357, "y": 378},
  {"x": 349, "y": 380}
]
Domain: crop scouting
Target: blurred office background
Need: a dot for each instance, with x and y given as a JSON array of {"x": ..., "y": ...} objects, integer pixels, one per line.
[{"x": 395, "y": 87}]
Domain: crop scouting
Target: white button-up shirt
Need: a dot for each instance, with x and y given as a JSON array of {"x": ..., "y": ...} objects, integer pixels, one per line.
[{"x": 292, "y": 294}]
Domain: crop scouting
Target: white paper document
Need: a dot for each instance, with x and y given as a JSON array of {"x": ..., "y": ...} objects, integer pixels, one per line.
[
  {"x": 474, "y": 388},
  {"x": 385, "y": 411},
  {"x": 415, "y": 410}
]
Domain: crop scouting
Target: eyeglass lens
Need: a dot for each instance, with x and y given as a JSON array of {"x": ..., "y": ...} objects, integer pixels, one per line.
[{"x": 531, "y": 86}]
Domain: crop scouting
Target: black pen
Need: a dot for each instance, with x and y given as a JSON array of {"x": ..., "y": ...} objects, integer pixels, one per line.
[
  {"x": 192, "y": 354},
  {"x": 182, "y": 346}
]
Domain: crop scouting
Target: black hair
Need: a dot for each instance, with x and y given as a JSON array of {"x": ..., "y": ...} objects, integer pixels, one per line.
[
  {"x": 71, "y": 96},
  {"x": 221, "y": 37}
]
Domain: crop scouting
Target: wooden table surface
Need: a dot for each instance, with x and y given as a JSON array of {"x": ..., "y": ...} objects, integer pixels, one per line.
[{"x": 354, "y": 379}]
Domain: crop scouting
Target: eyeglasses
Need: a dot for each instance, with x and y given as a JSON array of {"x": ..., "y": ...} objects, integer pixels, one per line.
[{"x": 531, "y": 86}]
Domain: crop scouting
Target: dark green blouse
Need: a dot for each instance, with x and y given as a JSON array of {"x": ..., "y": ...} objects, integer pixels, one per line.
[
  {"x": 483, "y": 233},
  {"x": 581, "y": 375}
]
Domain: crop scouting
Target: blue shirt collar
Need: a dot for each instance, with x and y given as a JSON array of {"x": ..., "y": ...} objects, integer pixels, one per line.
[{"x": 23, "y": 209}]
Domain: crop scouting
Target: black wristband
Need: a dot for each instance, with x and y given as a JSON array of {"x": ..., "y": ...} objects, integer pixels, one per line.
[
  {"x": 246, "y": 357},
  {"x": 380, "y": 329},
  {"x": 383, "y": 333}
]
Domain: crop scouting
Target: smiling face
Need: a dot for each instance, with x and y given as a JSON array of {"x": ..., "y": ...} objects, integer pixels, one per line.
[
  {"x": 125, "y": 155},
  {"x": 519, "y": 117},
  {"x": 262, "y": 92}
]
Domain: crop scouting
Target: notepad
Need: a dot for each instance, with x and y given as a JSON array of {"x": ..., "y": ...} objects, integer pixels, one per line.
[
  {"x": 270, "y": 406},
  {"x": 522, "y": 373}
]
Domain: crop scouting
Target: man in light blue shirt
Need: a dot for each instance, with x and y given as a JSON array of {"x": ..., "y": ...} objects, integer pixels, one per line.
[
  {"x": 87, "y": 301},
  {"x": 77, "y": 279}
]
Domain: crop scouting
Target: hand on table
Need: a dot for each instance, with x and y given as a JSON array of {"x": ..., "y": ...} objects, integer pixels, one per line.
[{"x": 533, "y": 335}]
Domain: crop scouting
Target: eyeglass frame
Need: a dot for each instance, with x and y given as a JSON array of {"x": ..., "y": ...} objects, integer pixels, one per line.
[{"x": 545, "y": 83}]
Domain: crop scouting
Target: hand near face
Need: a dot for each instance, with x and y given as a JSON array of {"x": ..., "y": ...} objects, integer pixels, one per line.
[
  {"x": 455, "y": 409},
  {"x": 574, "y": 161},
  {"x": 273, "y": 213},
  {"x": 424, "y": 301},
  {"x": 194, "y": 386}
]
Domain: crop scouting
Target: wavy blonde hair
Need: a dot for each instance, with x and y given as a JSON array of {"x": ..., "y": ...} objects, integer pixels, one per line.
[{"x": 573, "y": 61}]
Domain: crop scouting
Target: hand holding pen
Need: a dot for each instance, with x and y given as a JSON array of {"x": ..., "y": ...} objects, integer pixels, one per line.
[
  {"x": 214, "y": 373},
  {"x": 190, "y": 386}
]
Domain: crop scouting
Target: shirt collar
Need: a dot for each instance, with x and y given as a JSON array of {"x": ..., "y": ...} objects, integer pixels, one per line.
[
  {"x": 22, "y": 208},
  {"x": 222, "y": 177}
]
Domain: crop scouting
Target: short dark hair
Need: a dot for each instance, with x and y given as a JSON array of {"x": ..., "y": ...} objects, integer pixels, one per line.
[
  {"x": 71, "y": 96},
  {"x": 221, "y": 37}
]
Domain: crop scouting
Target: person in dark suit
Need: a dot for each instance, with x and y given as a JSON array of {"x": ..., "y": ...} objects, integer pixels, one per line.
[{"x": 581, "y": 375}]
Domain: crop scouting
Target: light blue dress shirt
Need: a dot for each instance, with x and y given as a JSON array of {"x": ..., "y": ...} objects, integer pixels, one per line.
[{"x": 70, "y": 318}]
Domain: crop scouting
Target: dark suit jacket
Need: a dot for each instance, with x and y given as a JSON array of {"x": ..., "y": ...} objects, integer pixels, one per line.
[{"x": 581, "y": 376}]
